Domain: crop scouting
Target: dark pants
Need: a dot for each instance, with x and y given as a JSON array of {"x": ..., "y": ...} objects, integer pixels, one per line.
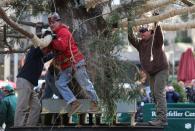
[
  {"x": 157, "y": 85},
  {"x": 50, "y": 87}
]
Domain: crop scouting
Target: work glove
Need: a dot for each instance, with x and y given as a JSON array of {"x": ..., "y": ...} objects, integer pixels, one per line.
[
  {"x": 41, "y": 42},
  {"x": 46, "y": 32},
  {"x": 155, "y": 12}
]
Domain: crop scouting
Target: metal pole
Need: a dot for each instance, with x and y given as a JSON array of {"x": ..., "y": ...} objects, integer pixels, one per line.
[
  {"x": 173, "y": 59},
  {"x": 6, "y": 67},
  {"x": 15, "y": 62}
]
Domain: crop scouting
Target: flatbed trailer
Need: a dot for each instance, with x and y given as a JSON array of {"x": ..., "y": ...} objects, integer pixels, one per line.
[
  {"x": 88, "y": 128},
  {"x": 58, "y": 110}
]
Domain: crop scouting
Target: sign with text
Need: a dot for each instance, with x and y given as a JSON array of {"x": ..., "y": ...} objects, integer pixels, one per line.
[{"x": 181, "y": 116}]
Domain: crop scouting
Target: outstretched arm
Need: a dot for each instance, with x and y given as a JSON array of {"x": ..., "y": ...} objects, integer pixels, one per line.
[
  {"x": 158, "y": 36},
  {"x": 132, "y": 39},
  {"x": 158, "y": 32}
]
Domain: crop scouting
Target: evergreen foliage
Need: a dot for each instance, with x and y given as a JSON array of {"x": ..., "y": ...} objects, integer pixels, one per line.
[
  {"x": 111, "y": 74},
  {"x": 181, "y": 91}
]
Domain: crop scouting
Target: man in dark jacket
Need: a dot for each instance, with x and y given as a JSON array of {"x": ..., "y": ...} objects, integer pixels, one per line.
[
  {"x": 28, "y": 102},
  {"x": 27, "y": 78},
  {"x": 154, "y": 63},
  {"x": 171, "y": 95}
]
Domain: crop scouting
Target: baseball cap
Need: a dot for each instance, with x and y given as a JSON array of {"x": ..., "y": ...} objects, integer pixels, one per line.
[
  {"x": 143, "y": 29},
  {"x": 54, "y": 17}
]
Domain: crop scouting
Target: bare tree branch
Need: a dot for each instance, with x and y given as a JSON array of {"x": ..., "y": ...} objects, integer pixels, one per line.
[
  {"x": 14, "y": 25},
  {"x": 164, "y": 16},
  {"x": 4, "y": 2},
  {"x": 153, "y": 5},
  {"x": 32, "y": 24},
  {"x": 169, "y": 27},
  {"x": 178, "y": 26},
  {"x": 187, "y": 2},
  {"x": 92, "y": 3},
  {"x": 12, "y": 51},
  {"x": 142, "y": 8}
]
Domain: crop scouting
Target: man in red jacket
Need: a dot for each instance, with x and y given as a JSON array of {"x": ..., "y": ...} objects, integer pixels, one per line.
[{"x": 72, "y": 63}]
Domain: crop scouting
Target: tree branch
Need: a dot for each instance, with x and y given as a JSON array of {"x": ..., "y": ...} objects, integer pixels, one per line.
[
  {"x": 169, "y": 27},
  {"x": 153, "y": 5},
  {"x": 178, "y": 26},
  {"x": 164, "y": 16},
  {"x": 14, "y": 25},
  {"x": 12, "y": 51},
  {"x": 142, "y": 8},
  {"x": 4, "y": 2},
  {"x": 187, "y": 2},
  {"x": 32, "y": 24},
  {"x": 92, "y": 3}
]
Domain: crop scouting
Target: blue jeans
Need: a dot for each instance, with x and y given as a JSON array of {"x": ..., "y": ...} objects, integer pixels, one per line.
[{"x": 82, "y": 78}]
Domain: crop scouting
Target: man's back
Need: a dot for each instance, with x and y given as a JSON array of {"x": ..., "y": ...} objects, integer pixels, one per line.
[{"x": 33, "y": 66}]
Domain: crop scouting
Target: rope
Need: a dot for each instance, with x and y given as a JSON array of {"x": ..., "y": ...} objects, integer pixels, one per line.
[
  {"x": 151, "y": 52},
  {"x": 54, "y": 5}
]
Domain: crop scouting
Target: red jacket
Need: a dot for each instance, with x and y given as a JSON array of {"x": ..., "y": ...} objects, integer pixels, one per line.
[{"x": 66, "y": 48}]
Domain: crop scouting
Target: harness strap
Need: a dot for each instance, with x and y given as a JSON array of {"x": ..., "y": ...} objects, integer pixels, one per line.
[{"x": 68, "y": 59}]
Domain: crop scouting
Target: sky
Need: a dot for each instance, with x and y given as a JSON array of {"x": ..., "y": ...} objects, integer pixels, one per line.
[{"x": 116, "y": 2}]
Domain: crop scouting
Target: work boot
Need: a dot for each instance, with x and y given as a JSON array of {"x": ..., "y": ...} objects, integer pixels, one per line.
[
  {"x": 94, "y": 107},
  {"x": 75, "y": 106},
  {"x": 158, "y": 123}
]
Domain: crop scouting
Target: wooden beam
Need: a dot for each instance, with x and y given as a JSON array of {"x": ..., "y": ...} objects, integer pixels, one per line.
[{"x": 59, "y": 106}]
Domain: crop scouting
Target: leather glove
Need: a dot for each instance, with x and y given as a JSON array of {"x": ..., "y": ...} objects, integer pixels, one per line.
[
  {"x": 54, "y": 36},
  {"x": 155, "y": 13},
  {"x": 46, "y": 32}
]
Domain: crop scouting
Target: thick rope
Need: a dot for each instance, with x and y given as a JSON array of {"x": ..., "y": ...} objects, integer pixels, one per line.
[{"x": 151, "y": 52}]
